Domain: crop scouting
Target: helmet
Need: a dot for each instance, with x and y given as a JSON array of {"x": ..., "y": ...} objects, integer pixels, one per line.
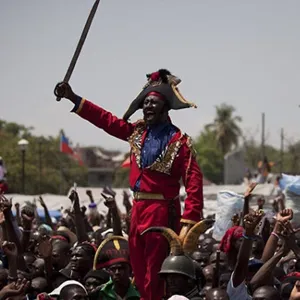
[{"x": 181, "y": 264}]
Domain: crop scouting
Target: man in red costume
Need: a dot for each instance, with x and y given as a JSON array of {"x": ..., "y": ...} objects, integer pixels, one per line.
[{"x": 161, "y": 155}]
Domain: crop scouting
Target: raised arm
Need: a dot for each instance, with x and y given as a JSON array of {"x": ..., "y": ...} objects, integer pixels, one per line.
[{"x": 96, "y": 115}]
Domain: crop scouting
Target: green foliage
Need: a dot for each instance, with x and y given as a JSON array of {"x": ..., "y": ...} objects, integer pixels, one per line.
[
  {"x": 58, "y": 170},
  {"x": 226, "y": 128},
  {"x": 209, "y": 156}
]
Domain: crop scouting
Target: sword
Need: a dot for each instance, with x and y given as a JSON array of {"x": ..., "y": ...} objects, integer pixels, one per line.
[{"x": 79, "y": 46}]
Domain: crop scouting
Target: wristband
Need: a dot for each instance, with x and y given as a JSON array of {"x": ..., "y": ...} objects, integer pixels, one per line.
[{"x": 275, "y": 234}]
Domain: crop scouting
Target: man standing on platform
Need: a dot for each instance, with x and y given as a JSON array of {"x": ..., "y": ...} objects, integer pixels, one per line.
[{"x": 161, "y": 155}]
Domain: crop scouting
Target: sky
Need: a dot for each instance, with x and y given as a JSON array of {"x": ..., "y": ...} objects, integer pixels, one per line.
[{"x": 243, "y": 53}]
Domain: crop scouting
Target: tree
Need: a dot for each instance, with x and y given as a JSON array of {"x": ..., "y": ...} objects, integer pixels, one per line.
[
  {"x": 59, "y": 171},
  {"x": 209, "y": 156},
  {"x": 226, "y": 128}
]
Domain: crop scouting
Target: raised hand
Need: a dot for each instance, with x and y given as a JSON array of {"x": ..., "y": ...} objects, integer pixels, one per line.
[
  {"x": 236, "y": 219},
  {"x": 27, "y": 215},
  {"x": 285, "y": 216},
  {"x": 250, "y": 188},
  {"x": 14, "y": 289},
  {"x": 109, "y": 202},
  {"x": 251, "y": 221},
  {"x": 10, "y": 249},
  {"x": 41, "y": 200},
  {"x": 45, "y": 247},
  {"x": 64, "y": 90},
  {"x": 89, "y": 193},
  {"x": 5, "y": 204}
]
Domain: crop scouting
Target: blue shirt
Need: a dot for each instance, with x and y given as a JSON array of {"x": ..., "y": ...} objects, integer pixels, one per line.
[{"x": 157, "y": 139}]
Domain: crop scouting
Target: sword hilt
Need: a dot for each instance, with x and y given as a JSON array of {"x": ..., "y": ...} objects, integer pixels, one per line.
[{"x": 56, "y": 92}]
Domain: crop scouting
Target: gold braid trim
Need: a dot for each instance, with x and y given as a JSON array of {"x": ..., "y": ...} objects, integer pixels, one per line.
[
  {"x": 165, "y": 160},
  {"x": 193, "y": 153},
  {"x": 135, "y": 141}
]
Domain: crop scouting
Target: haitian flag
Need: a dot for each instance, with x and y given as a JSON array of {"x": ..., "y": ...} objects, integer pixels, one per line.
[
  {"x": 64, "y": 145},
  {"x": 66, "y": 148}
]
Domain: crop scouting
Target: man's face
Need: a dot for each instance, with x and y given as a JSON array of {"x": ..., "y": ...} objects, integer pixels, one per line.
[
  {"x": 119, "y": 273},
  {"x": 80, "y": 261},
  {"x": 176, "y": 283},
  {"x": 153, "y": 108}
]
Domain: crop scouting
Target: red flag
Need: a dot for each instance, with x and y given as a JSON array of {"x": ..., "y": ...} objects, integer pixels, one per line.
[{"x": 126, "y": 163}]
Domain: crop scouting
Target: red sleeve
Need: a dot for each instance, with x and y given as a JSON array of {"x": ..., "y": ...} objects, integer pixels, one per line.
[
  {"x": 104, "y": 120},
  {"x": 192, "y": 179}
]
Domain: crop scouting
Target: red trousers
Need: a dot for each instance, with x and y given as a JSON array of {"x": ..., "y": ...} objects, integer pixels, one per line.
[{"x": 148, "y": 252}]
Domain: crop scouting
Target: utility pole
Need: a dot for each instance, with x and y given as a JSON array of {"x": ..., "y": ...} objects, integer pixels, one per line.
[
  {"x": 281, "y": 150},
  {"x": 263, "y": 135}
]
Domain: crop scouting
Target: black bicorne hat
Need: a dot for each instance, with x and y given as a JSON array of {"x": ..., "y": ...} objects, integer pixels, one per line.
[
  {"x": 112, "y": 250},
  {"x": 162, "y": 82}
]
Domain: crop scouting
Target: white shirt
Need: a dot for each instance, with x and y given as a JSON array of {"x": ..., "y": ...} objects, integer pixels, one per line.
[{"x": 237, "y": 293}]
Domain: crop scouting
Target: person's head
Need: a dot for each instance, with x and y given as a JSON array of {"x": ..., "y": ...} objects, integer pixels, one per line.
[
  {"x": 178, "y": 284},
  {"x": 208, "y": 273},
  {"x": 38, "y": 285},
  {"x": 232, "y": 240},
  {"x": 216, "y": 294},
  {"x": 155, "y": 109},
  {"x": 38, "y": 267},
  {"x": 60, "y": 253},
  {"x": 258, "y": 247},
  {"x": 73, "y": 292},
  {"x": 223, "y": 260},
  {"x": 179, "y": 273},
  {"x": 207, "y": 244},
  {"x": 29, "y": 260},
  {"x": 120, "y": 273},
  {"x": 201, "y": 257},
  {"x": 266, "y": 293},
  {"x": 82, "y": 258},
  {"x": 94, "y": 279}
]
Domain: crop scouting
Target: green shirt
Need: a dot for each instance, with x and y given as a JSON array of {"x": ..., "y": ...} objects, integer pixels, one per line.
[{"x": 107, "y": 292}]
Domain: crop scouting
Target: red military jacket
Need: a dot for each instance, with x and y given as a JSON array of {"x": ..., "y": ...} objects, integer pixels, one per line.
[{"x": 163, "y": 176}]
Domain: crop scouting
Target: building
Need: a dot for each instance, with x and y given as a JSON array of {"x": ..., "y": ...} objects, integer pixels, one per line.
[{"x": 101, "y": 164}]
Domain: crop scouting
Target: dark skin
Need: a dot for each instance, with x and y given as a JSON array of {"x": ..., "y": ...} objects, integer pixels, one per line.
[
  {"x": 223, "y": 260},
  {"x": 216, "y": 294},
  {"x": 207, "y": 245},
  {"x": 80, "y": 261},
  {"x": 177, "y": 284},
  {"x": 73, "y": 292},
  {"x": 208, "y": 273},
  {"x": 224, "y": 279},
  {"x": 201, "y": 257},
  {"x": 154, "y": 108},
  {"x": 120, "y": 275},
  {"x": 92, "y": 283},
  {"x": 60, "y": 254},
  {"x": 266, "y": 293}
]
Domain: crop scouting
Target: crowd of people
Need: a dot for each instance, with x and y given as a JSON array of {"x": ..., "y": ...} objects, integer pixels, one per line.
[
  {"x": 85, "y": 255},
  {"x": 156, "y": 251}
]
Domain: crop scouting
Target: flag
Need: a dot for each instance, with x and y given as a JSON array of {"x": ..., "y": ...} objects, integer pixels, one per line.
[
  {"x": 126, "y": 163},
  {"x": 64, "y": 145},
  {"x": 66, "y": 148}
]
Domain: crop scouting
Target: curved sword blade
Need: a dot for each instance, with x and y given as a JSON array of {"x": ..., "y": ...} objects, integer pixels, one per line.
[{"x": 80, "y": 43}]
